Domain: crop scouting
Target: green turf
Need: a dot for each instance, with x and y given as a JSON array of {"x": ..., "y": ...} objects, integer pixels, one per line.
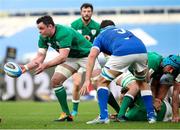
[{"x": 40, "y": 115}]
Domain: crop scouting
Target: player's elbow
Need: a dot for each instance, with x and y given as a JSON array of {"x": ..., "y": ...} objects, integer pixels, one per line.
[{"x": 92, "y": 56}]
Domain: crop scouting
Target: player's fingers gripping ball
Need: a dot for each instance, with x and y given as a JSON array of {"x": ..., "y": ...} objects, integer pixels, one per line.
[{"x": 12, "y": 69}]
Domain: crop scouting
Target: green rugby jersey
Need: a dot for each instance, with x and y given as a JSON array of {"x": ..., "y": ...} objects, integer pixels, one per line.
[
  {"x": 154, "y": 60},
  {"x": 66, "y": 37},
  {"x": 92, "y": 29},
  {"x": 154, "y": 64}
]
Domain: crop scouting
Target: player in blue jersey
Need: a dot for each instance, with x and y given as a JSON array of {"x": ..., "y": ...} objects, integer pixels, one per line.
[{"x": 126, "y": 50}]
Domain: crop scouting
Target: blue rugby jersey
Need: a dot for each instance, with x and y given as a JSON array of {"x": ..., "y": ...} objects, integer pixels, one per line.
[{"x": 118, "y": 42}]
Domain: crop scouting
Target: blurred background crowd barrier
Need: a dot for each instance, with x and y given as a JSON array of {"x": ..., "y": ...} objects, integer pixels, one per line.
[{"x": 156, "y": 22}]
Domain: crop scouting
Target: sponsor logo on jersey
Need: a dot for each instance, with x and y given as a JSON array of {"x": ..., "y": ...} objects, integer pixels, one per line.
[
  {"x": 80, "y": 31},
  {"x": 93, "y": 31}
]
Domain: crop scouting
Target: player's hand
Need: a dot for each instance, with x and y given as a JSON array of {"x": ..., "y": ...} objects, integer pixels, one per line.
[
  {"x": 87, "y": 37},
  {"x": 84, "y": 88},
  {"x": 157, "y": 104},
  {"x": 41, "y": 67},
  {"x": 176, "y": 119}
]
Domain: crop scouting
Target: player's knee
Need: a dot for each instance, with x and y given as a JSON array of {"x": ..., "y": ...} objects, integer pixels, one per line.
[
  {"x": 140, "y": 76},
  {"x": 76, "y": 83},
  {"x": 76, "y": 88},
  {"x": 55, "y": 82},
  {"x": 77, "y": 80},
  {"x": 102, "y": 82}
]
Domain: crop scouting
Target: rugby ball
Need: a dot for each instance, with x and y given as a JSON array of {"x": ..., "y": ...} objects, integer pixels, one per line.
[{"x": 12, "y": 69}]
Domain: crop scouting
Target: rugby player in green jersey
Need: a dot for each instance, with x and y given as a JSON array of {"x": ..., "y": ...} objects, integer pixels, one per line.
[
  {"x": 86, "y": 25},
  {"x": 73, "y": 51},
  {"x": 89, "y": 29}
]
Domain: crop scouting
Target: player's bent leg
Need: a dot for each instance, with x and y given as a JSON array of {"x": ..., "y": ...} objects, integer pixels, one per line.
[
  {"x": 136, "y": 113},
  {"x": 146, "y": 95},
  {"x": 103, "y": 95},
  {"x": 127, "y": 81},
  {"x": 103, "y": 92},
  {"x": 60, "y": 75}
]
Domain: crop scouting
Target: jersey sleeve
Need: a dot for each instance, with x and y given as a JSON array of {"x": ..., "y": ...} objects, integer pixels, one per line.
[
  {"x": 97, "y": 43},
  {"x": 76, "y": 24},
  {"x": 66, "y": 41},
  {"x": 42, "y": 43},
  {"x": 73, "y": 25}
]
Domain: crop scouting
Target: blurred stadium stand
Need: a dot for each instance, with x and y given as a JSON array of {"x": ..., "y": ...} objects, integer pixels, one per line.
[
  {"x": 71, "y": 7},
  {"x": 159, "y": 20}
]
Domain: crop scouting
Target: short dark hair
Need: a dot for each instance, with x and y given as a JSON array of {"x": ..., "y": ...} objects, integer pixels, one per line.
[
  {"x": 46, "y": 20},
  {"x": 86, "y": 5},
  {"x": 106, "y": 23}
]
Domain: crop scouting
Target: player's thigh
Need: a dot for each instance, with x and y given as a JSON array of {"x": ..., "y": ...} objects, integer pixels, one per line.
[
  {"x": 63, "y": 72},
  {"x": 140, "y": 66},
  {"x": 107, "y": 76}
]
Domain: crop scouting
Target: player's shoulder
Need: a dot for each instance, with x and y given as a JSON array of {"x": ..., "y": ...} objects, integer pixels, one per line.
[
  {"x": 154, "y": 55},
  {"x": 76, "y": 22},
  {"x": 63, "y": 30},
  {"x": 95, "y": 23}
]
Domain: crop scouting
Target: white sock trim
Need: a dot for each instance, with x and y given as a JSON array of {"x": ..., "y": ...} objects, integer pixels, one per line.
[
  {"x": 75, "y": 101},
  {"x": 26, "y": 67},
  {"x": 129, "y": 95},
  {"x": 58, "y": 88},
  {"x": 146, "y": 92}
]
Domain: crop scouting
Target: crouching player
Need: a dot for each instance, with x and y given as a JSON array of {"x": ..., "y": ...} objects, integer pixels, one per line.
[{"x": 132, "y": 105}]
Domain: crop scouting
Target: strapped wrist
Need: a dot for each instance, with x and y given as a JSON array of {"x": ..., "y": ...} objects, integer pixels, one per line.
[{"x": 26, "y": 67}]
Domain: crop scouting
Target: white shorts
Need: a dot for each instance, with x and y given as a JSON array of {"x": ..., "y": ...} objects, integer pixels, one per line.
[
  {"x": 138, "y": 62},
  {"x": 122, "y": 63}
]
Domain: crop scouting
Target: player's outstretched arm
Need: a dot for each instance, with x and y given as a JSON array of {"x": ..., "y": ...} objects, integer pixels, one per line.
[
  {"x": 89, "y": 69},
  {"x": 63, "y": 54},
  {"x": 34, "y": 63}
]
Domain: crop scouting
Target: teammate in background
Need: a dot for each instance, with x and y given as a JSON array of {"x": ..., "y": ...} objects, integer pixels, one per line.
[
  {"x": 89, "y": 29},
  {"x": 73, "y": 50},
  {"x": 86, "y": 25},
  {"x": 125, "y": 50}
]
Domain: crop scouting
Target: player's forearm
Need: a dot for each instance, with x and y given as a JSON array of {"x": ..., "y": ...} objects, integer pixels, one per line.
[
  {"x": 34, "y": 63},
  {"x": 89, "y": 67},
  {"x": 56, "y": 61}
]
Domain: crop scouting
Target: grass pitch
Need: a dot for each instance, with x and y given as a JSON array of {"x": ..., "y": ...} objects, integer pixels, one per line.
[{"x": 40, "y": 115}]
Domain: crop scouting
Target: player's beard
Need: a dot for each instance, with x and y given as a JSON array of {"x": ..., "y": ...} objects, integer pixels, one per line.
[{"x": 86, "y": 19}]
